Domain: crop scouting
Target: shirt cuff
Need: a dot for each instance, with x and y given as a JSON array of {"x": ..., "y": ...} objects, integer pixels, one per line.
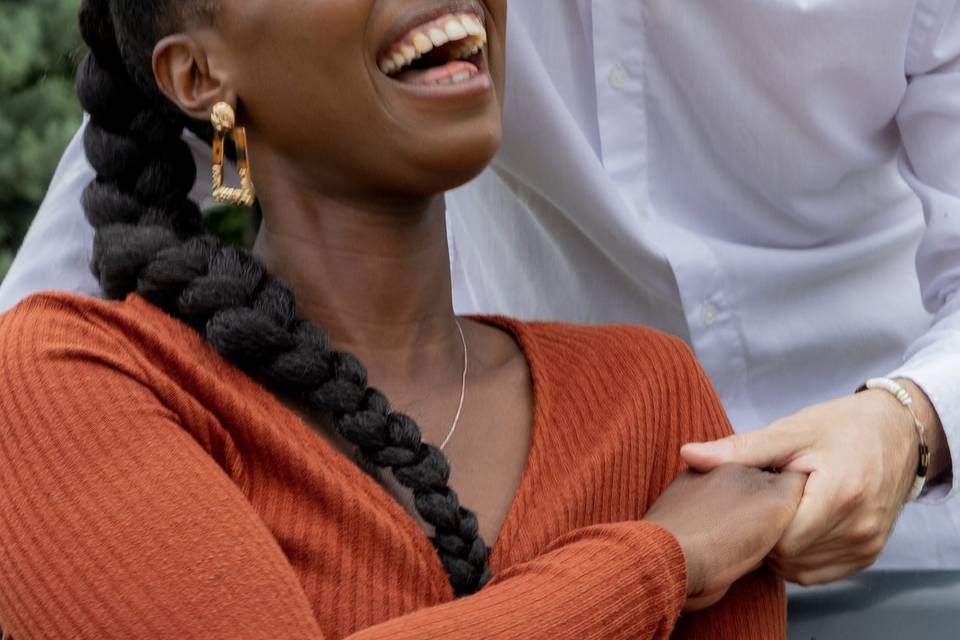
[{"x": 937, "y": 377}]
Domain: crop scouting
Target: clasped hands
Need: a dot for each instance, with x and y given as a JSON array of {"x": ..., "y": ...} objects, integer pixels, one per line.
[{"x": 847, "y": 467}]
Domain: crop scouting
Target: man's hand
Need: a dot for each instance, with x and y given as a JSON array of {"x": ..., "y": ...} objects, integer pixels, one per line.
[
  {"x": 726, "y": 521},
  {"x": 861, "y": 456}
]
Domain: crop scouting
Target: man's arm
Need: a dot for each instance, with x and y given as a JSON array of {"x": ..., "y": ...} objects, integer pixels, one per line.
[
  {"x": 56, "y": 253},
  {"x": 860, "y": 450},
  {"x": 929, "y": 122}
]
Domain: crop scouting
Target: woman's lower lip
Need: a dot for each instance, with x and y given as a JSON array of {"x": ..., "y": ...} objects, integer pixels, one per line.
[{"x": 478, "y": 84}]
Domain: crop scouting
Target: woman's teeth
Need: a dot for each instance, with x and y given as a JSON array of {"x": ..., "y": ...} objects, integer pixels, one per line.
[{"x": 465, "y": 29}]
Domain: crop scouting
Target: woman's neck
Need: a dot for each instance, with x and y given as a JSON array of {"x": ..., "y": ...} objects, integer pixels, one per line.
[{"x": 376, "y": 278}]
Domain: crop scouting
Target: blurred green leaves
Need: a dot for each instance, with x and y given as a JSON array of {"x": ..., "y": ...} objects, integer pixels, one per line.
[
  {"x": 39, "y": 50},
  {"x": 234, "y": 225}
]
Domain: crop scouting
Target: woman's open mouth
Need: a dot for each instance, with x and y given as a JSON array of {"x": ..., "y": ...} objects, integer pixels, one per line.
[{"x": 442, "y": 51}]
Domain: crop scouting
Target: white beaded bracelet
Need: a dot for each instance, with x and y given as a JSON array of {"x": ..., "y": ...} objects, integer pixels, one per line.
[{"x": 904, "y": 397}]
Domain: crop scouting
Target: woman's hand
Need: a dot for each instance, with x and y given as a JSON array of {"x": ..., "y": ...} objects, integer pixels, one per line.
[{"x": 726, "y": 522}]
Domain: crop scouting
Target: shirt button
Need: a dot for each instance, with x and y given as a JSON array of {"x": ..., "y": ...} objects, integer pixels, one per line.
[
  {"x": 618, "y": 77},
  {"x": 710, "y": 313}
]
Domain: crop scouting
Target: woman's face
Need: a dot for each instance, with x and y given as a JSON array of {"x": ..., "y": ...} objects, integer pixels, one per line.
[{"x": 389, "y": 97}]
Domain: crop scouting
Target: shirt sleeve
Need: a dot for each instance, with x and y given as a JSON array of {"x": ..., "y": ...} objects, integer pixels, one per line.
[
  {"x": 929, "y": 123},
  {"x": 115, "y": 522},
  {"x": 55, "y": 255}
]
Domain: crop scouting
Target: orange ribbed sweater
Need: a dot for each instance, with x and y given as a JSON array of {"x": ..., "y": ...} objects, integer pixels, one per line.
[{"x": 149, "y": 489}]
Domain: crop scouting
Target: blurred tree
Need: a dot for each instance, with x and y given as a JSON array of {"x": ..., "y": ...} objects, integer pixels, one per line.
[{"x": 40, "y": 48}]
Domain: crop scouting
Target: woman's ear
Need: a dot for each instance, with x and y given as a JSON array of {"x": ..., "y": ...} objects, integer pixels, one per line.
[{"x": 183, "y": 70}]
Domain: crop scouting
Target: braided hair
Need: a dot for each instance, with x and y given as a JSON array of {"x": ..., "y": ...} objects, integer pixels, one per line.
[{"x": 150, "y": 240}]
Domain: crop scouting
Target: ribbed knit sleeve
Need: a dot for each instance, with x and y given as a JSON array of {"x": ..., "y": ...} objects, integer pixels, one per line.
[
  {"x": 116, "y": 523},
  {"x": 746, "y": 609},
  {"x": 608, "y": 582},
  {"x": 149, "y": 490}
]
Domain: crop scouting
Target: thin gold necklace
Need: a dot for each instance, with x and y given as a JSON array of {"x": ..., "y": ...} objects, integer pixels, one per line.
[{"x": 463, "y": 386}]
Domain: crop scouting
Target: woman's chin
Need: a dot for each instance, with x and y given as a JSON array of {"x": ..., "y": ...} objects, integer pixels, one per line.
[{"x": 449, "y": 164}]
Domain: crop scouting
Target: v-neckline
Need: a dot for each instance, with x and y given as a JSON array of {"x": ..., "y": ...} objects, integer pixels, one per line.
[
  {"x": 381, "y": 498},
  {"x": 377, "y": 493}
]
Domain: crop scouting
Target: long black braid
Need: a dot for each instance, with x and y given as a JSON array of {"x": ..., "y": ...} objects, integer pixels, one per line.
[{"x": 150, "y": 240}]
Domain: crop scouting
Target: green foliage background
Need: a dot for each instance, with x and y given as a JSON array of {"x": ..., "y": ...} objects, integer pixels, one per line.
[{"x": 40, "y": 48}]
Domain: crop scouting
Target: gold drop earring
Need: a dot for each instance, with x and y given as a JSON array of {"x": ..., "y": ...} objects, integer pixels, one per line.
[{"x": 223, "y": 119}]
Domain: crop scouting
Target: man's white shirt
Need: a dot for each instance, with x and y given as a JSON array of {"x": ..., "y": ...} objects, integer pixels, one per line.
[{"x": 775, "y": 181}]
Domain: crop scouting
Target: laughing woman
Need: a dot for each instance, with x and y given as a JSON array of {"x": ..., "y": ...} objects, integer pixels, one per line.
[{"x": 193, "y": 457}]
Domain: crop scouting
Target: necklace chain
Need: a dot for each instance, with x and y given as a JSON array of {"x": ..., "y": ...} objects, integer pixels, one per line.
[{"x": 463, "y": 386}]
